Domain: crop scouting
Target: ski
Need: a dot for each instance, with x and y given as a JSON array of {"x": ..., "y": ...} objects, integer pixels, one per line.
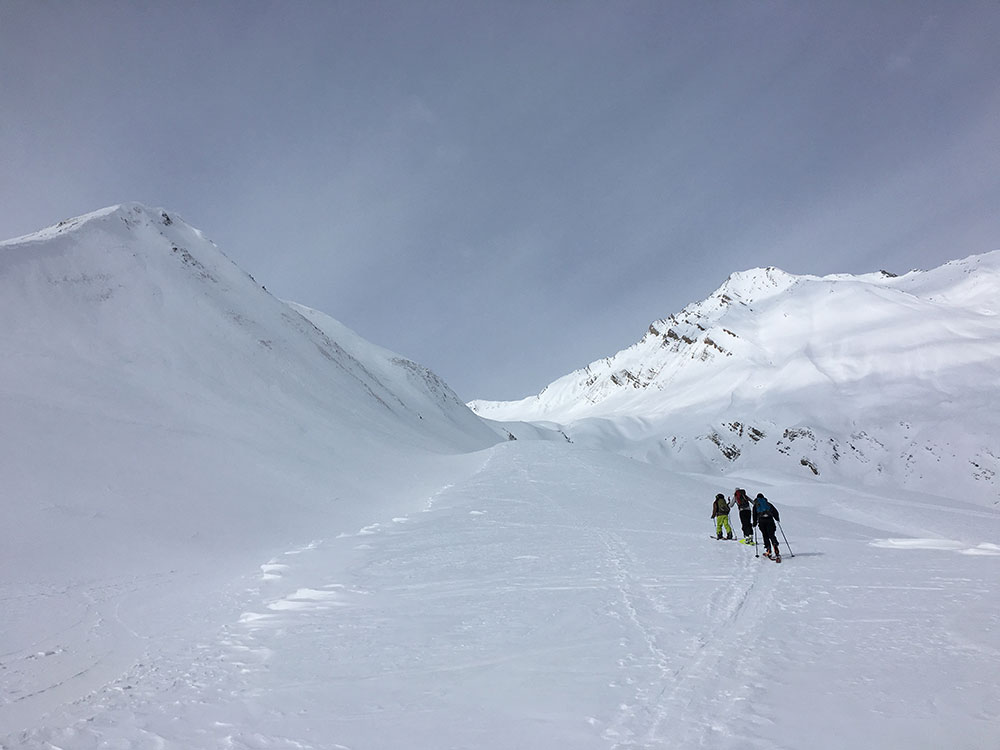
[{"x": 723, "y": 539}]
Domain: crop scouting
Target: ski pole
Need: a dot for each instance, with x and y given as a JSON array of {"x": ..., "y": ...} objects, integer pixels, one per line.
[
  {"x": 755, "y": 552},
  {"x": 787, "y": 545}
]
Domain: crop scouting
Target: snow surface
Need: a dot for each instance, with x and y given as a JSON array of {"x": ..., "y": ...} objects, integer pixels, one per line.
[{"x": 232, "y": 523}]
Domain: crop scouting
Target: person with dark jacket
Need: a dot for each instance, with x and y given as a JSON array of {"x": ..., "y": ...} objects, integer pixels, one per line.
[
  {"x": 720, "y": 512},
  {"x": 742, "y": 502},
  {"x": 765, "y": 516}
]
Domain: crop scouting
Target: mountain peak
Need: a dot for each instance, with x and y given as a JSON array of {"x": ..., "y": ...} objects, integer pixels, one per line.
[
  {"x": 127, "y": 215},
  {"x": 756, "y": 284}
]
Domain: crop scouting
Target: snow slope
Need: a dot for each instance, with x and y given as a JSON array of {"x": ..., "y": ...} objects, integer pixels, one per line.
[
  {"x": 164, "y": 420},
  {"x": 876, "y": 378},
  {"x": 232, "y": 523},
  {"x": 560, "y": 597}
]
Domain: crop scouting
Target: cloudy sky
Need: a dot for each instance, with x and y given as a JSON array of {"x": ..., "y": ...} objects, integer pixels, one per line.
[{"x": 506, "y": 191}]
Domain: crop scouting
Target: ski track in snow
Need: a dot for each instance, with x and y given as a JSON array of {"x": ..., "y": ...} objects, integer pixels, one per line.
[
  {"x": 668, "y": 682},
  {"x": 531, "y": 607}
]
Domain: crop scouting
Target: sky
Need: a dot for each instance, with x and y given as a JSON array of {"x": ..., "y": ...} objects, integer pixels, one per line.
[{"x": 507, "y": 191}]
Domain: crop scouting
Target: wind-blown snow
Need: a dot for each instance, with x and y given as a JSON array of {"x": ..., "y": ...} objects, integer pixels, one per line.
[{"x": 232, "y": 522}]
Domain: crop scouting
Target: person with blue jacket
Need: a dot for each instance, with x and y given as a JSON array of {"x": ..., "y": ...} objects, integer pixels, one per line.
[{"x": 765, "y": 516}]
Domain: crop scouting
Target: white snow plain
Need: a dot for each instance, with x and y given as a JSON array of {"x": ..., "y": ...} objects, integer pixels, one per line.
[{"x": 231, "y": 526}]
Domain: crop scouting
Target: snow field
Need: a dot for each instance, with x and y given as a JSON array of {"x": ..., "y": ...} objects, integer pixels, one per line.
[{"x": 568, "y": 598}]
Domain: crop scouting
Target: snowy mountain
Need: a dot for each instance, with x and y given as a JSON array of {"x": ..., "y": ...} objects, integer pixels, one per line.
[
  {"x": 163, "y": 412},
  {"x": 162, "y": 313},
  {"x": 880, "y": 378},
  {"x": 230, "y": 522},
  {"x": 127, "y": 329}
]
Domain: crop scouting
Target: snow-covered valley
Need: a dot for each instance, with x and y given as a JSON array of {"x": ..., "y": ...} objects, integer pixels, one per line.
[{"x": 232, "y": 523}]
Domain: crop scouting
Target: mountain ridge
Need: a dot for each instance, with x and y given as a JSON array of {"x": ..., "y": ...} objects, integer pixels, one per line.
[
  {"x": 128, "y": 263},
  {"x": 128, "y": 333},
  {"x": 773, "y": 352}
]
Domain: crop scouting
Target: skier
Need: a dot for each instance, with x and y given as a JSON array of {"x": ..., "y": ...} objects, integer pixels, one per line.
[
  {"x": 765, "y": 516},
  {"x": 720, "y": 512},
  {"x": 742, "y": 502}
]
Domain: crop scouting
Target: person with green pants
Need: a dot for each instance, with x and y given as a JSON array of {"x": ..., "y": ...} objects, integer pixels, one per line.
[{"x": 720, "y": 512}]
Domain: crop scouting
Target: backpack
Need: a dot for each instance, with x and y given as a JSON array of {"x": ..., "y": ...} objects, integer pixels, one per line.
[
  {"x": 742, "y": 501},
  {"x": 720, "y": 508},
  {"x": 763, "y": 506}
]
